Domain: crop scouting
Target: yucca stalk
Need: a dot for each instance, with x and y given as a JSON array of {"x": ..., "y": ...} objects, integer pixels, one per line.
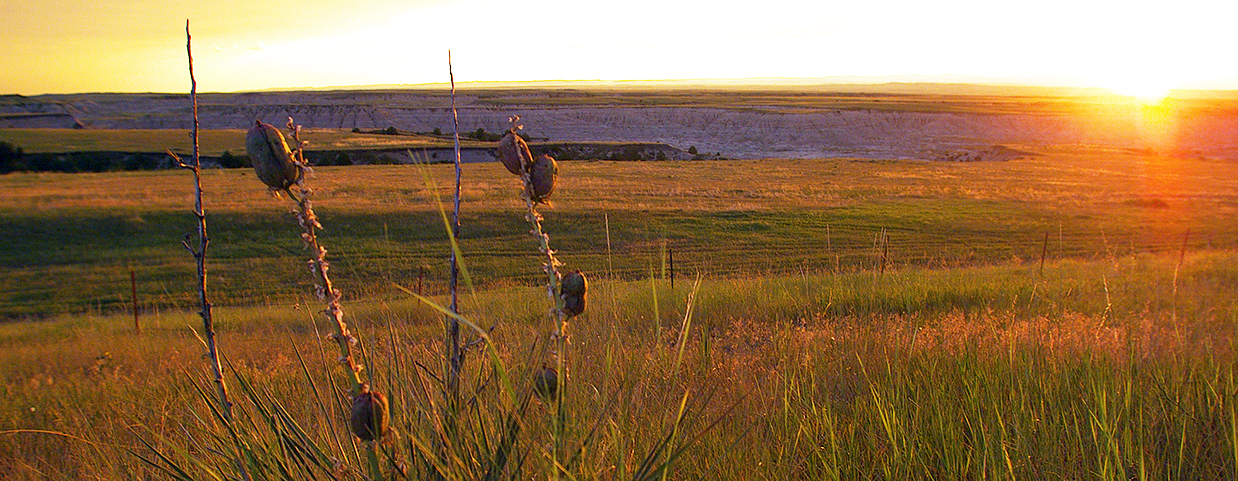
[
  {"x": 199, "y": 255},
  {"x": 514, "y": 153},
  {"x": 370, "y": 415},
  {"x": 323, "y": 287},
  {"x": 282, "y": 169},
  {"x": 558, "y": 338},
  {"x": 455, "y": 355},
  {"x": 550, "y": 264}
]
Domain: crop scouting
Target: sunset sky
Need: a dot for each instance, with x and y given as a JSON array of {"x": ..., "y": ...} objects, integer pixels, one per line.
[{"x": 1133, "y": 47}]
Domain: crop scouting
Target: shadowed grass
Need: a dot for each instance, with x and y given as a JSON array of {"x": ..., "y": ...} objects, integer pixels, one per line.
[{"x": 72, "y": 238}]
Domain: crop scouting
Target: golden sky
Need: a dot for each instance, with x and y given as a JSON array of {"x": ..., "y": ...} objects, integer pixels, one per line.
[{"x": 1134, "y": 47}]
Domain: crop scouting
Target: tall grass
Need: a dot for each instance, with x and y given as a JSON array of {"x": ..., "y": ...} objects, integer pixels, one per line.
[{"x": 1045, "y": 388}]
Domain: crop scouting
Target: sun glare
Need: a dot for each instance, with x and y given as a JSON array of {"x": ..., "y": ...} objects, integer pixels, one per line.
[{"x": 1145, "y": 91}]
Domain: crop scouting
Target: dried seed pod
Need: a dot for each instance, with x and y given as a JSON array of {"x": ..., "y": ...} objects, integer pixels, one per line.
[
  {"x": 546, "y": 383},
  {"x": 514, "y": 153},
  {"x": 573, "y": 288},
  {"x": 370, "y": 414},
  {"x": 544, "y": 174},
  {"x": 270, "y": 155}
]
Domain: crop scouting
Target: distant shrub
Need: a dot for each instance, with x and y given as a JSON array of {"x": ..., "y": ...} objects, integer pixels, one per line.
[
  {"x": 438, "y": 131},
  {"x": 482, "y": 135},
  {"x": 229, "y": 161},
  {"x": 10, "y": 158},
  {"x": 692, "y": 150},
  {"x": 356, "y": 130},
  {"x": 340, "y": 158},
  {"x": 391, "y": 131},
  {"x": 135, "y": 162},
  {"x": 385, "y": 159},
  {"x": 626, "y": 153}
]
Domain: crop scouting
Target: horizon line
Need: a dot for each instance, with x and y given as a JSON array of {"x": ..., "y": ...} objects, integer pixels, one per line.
[{"x": 1048, "y": 83}]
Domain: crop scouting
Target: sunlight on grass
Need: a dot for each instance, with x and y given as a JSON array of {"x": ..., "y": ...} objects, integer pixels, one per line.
[{"x": 969, "y": 372}]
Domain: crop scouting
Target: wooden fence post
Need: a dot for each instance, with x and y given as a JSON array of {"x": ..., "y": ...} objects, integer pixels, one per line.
[{"x": 133, "y": 292}]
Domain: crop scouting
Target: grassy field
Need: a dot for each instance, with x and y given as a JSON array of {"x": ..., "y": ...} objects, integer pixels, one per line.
[
  {"x": 961, "y": 358},
  {"x": 74, "y": 238}
]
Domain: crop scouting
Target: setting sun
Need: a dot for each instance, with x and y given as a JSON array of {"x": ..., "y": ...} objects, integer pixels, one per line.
[
  {"x": 1144, "y": 92},
  {"x": 1145, "y": 84}
]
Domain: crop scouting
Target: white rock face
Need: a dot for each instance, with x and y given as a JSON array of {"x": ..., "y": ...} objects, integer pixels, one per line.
[{"x": 750, "y": 132}]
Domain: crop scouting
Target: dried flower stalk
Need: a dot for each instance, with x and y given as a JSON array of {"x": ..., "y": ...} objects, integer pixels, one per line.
[
  {"x": 199, "y": 255},
  {"x": 319, "y": 266},
  {"x": 455, "y": 352},
  {"x": 550, "y": 265},
  {"x": 549, "y": 381}
]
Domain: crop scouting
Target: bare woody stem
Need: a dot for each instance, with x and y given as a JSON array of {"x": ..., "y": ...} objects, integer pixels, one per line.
[
  {"x": 199, "y": 253},
  {"x": 454, "y": 352}
]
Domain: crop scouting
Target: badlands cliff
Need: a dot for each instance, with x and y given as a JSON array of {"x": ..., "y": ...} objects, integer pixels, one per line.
[{"x": 748, "y": 131}]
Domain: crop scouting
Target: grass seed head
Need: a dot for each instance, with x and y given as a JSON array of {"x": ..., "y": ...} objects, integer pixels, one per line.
[
  {"x": 544, "y": 174},
  {"x": 270, "y": 155},
  {"x": 370, "y": 414},
  {"x": 546, "y": 383},
  {"x": 514, "y": 153},
  {"x": 573, "y": 288}
]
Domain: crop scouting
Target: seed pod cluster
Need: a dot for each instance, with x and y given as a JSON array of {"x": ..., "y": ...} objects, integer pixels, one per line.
[
  {"x": 573, "y": 288},
  {"x": 370, "y": 413},
  {"x": 543, "y": 172},
  {"x": 546, "y": 383},
  {"x": 271, "y": 157}
]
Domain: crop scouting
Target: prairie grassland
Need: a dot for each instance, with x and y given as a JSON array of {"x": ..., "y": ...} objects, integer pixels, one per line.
[
  {"x": 73, "y": 238},
  {"x": 1091, "y": 370},
  {"x": 962, "y": 360}
]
